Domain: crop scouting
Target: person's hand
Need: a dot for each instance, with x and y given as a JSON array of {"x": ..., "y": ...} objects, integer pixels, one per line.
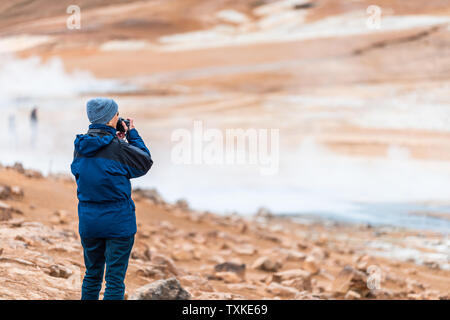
[
  {"x": 121, "y": 135},
  {"x": 131, "y": 123}
]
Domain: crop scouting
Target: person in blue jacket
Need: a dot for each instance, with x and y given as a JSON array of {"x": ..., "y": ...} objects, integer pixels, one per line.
[{"x": 103, "y": 165}]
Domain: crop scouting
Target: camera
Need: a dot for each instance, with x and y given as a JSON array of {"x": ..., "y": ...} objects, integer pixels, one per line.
[{"x": 120, "y": 127}]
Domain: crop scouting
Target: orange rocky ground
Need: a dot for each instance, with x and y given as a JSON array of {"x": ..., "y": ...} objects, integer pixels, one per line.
[{"x": 41, "y": 256}]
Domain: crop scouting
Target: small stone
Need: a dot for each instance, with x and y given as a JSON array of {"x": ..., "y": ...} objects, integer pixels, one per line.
[
  {"x": 311, "y": 265},
  {"x": 267, "y": 264},
  {"x": 5, "y": 211},
  {"x": 281, "y": 291},
  {"x": 217, "y": 296},
  {"x": 247, "y": 250},
  {"x": 17, "y": 192},
  {"x": 295, "y": 256},
  {"x": 166, "y": 263},
  {"x": 239, "y": 269},
  {"x": 264, "y": 213},
  {"x": 301, "y": 284},
  {"x": 150, "y": 194},
  {"x": 5, "y": 192},
  {"x": 291, "y": 274},
  {"x": 182, "y": 204},
  {"x": 352, "y": 295},
  {"x": 228, "y": 277},
  {"x": 59, "y": 271},
  {"x": 164, "y": 289}
]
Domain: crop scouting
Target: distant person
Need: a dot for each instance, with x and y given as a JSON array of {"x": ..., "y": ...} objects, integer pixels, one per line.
[
  {"x": 33, "y": 126},
  {"x": 103, "y": 165},
  {"x": 33, "y": 115}
]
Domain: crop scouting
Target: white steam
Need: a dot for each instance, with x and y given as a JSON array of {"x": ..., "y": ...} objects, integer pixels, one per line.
[{"x": 31, "y": 79}]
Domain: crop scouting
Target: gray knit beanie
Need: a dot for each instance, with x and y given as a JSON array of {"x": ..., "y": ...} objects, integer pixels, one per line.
[{"x": 101, "y": 110}]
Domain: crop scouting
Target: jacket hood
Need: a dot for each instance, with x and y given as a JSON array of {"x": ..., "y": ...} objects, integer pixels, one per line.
[{"x": 88, "y": 145}]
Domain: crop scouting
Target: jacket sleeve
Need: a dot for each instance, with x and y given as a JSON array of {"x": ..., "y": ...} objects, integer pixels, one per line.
[
  {"x": 135, "y": 156},
  {"x": 135, "y": 139}
]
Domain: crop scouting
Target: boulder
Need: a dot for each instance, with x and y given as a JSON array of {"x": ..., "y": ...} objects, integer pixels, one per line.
[{"x": 164, "y": 289}]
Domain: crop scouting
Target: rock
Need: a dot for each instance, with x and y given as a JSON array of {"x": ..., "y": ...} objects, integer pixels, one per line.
[
  {"x": 281, "y": 291},
  {"x": 319, "y": 253},
  {"x": 196, "y": 282},
  {"x": 17, "y": 192},
  {"x": 414, "y": 296},
  {"x": 413, "y": 286},
  {"x": 301, "y": 284},
  {"x": 431, "y": 264},
  {"x": 5, "y": 192},
  {"x": 5, "y": 211},
  {"x": 304, "y": 295},
  {"x": 264, "y": 213},
  {"x": 267, "y": 264},
  {"x": 182, "y": 204},
  {"x": 60, "y": 216},
  {"x": 18, "y": 167},
  {"x": 151, "y": 272},
  {"x": 150, "y": 194},
  {"x": 291, "y": 274},
  {"x": 228, "y": 266},
  {"x": 228, "y": 277},
  {"x": 242, "y": 286},
  {"x": 182, "y": 255},
  {"x": 352, "y": 295},
  {"x": 351, "y": 279},
  {"x": 219, "y": 296},
  {"x": 311, "y": 265},
  {"x": 33, "y": 174},
  {"x": 247, "y": 250},
  {"x": 167, "y": 289},
  {"x": 166, "y": 263},
  {"x": 59, "y": 271},
  {"x": 28, "y": 242},
  {"x": 293, "y": 255},
  {"x": 268, "y": 237}
]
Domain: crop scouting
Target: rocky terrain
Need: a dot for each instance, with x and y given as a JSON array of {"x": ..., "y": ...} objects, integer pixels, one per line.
[{"x": 180, "y": 253}]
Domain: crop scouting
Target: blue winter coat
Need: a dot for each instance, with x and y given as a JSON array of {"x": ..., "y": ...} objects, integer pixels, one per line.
[{"x": 103, "y": 166}]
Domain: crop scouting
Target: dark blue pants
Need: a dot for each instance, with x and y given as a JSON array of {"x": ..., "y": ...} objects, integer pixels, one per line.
[{"x": 115, "y": 253}]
